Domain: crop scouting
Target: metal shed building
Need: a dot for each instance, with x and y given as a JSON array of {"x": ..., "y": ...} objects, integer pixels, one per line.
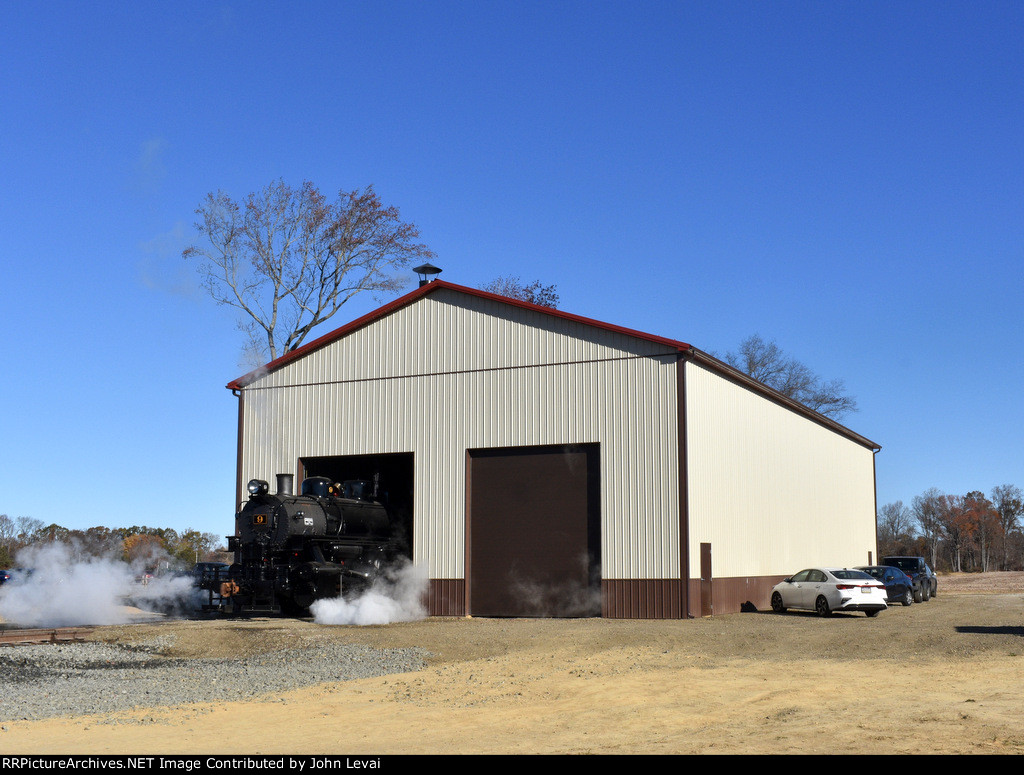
[{"x": 547, "y": 464}]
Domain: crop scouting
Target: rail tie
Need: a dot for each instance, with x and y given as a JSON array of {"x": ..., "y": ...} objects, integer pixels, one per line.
[{"x": 55, "y": 635}]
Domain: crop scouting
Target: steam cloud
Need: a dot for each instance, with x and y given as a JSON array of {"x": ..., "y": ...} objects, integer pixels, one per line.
[
  {"x": 397, "y": 597},
  {"x": 67, "y": 590},
  {"x": 568, "y": 597}
]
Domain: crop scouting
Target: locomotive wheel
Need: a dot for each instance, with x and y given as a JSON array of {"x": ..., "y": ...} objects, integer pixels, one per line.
[
  {"x": 290, "y": 607},
  {"x": 303, "y": 596}
]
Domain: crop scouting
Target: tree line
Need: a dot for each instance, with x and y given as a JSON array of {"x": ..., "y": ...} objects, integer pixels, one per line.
[
  {"x": 971, "y": 532},
  {"x": 147, "y": 546}
]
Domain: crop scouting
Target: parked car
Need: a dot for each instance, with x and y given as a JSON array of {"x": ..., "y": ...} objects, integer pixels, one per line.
[
  {"x": 899, "y": 587},
  {"x": 13, "y": 575},
  {"x": 825, "y": 590},
  {"x": 918, "y": 570}
]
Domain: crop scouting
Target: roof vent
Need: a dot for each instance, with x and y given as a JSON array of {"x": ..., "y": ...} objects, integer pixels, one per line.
[{"x": 425, "y": 271}]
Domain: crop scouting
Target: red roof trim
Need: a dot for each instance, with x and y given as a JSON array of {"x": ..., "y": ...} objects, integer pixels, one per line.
[{"x": 424, "y": 290}]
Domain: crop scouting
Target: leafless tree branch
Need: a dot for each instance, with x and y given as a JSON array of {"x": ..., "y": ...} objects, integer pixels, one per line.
[
  {"x": 767, "y": 363},
  {"x": 288, "y": 259},
  {"x": 514, "y": 288}
]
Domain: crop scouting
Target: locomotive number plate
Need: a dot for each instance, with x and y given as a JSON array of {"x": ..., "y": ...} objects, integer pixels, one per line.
[{"x": 259, "y": 520}]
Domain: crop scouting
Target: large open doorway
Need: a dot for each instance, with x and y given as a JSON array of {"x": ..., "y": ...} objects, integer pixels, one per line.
[{"x": 390, "y": 474}]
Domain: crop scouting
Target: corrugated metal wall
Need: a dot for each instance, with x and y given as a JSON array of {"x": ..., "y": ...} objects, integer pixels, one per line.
[
  {"x": 772, "y": 491},
  {"x": 453, "y": 372}
]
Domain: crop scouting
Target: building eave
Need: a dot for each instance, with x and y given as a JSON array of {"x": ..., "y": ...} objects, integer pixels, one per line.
[
  {"x": 425, "y": 290},
  {"x": 682, "y": 348}
]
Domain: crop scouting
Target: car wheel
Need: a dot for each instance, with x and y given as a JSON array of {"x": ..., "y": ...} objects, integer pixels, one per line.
[
  {"x": 777, "y": 605},
  {"x": 926, "y": 594},
  {"x": 821, "y": 606},
  {"x": 935, "y": 589},
  {"x": 871, "y": 613},
  {"x": 908, "y": 597},
  {"x": 918, "y": 595}
]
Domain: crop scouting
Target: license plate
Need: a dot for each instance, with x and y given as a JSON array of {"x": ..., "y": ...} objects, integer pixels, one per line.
[{"x": 865, "y": 590}]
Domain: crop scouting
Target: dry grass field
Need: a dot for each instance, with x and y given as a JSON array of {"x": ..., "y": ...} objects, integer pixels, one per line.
[{"x": 945, "y": 676}]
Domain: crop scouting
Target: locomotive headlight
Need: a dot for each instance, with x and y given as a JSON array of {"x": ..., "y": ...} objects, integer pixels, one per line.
[{"x": 257, "y": 487}]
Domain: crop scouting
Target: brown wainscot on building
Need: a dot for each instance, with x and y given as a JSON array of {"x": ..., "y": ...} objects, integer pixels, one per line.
[{"x": 548, "y": 464}]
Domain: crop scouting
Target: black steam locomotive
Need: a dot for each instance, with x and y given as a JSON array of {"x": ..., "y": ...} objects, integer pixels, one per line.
[{"x": 333, "y": 539}]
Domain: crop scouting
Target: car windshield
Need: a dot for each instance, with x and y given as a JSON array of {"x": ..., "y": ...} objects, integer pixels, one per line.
[
  {"x": 875, "y": 572},
  {"x": 850, "y": 574},
  {"x": 905, "y": 564}
]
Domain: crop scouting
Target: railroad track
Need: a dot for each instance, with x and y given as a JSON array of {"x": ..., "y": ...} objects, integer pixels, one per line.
[{"x": 51, "y": 635}]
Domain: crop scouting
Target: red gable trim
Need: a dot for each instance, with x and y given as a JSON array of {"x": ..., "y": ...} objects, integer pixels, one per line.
[{"x": 424, "y": 290}]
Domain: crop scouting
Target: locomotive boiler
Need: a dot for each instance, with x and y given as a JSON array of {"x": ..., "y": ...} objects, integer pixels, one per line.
[{"x": 332, "y": 539}]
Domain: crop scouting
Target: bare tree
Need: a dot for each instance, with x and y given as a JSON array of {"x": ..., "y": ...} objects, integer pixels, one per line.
[
  {"x": 515, "y": 288},
  {"x": 1008, "y": 502},
  {"x": 767, "y": 363},
  {"x": 8, "y": 533},
  {"x": 8, "y": 530},
  {"x": 927, "y": 509},
  {"x": 29, "y": 529},
  {"x": 289, "y": 259},
  {"x": 895, "y": 528}
]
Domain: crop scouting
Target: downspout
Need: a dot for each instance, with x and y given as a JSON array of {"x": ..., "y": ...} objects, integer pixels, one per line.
[
  {"x": 239, "y": 484},
  {"x": 874, "y": 482},
  {"x": 684, "y": 501}
]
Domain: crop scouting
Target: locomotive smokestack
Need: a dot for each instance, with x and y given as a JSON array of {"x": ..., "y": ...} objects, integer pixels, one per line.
[{"x": 285, "y": 483}]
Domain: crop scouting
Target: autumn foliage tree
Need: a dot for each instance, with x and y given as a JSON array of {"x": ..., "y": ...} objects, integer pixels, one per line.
[
  {"x": 144, "y": 548},
  {"x": 982, "y": 515},
  {"x": 157, "y": 547},
  {"x": 194, "y": 546},
  {"x": 968, "y": 532},
  {"x": 288, "y": 259}
]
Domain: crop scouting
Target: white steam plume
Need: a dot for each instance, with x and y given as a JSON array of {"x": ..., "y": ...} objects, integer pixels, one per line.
[
  {"x": 396, "y": 597},
  {"x": 66, "y": 590}
]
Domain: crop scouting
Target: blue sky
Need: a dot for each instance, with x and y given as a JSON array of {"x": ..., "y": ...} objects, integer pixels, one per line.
[{"x": 846, "y": 178}]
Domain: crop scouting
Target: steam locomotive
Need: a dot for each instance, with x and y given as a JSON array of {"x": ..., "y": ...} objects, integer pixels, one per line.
[{"x": 290, "y": 550}]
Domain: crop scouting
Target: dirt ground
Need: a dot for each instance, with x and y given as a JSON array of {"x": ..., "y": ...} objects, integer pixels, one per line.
[{"x": 945, "y": 676}]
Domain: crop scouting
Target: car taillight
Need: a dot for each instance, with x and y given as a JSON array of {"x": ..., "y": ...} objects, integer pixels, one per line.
[{"x": 858, "y": 586}]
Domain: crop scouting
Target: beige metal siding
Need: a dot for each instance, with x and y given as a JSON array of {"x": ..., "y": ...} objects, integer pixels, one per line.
[
  {"x": 453, "y": 372},
  {"x": 772, "y": 491}
]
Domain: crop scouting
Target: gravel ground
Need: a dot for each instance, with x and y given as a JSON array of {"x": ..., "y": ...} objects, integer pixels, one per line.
[
  {"x": 172, "y": 663},
  {"x": 50, "y": 680}
]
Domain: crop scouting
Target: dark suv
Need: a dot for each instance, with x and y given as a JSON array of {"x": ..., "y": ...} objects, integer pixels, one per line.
[{"x": 923, "y": 576}]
